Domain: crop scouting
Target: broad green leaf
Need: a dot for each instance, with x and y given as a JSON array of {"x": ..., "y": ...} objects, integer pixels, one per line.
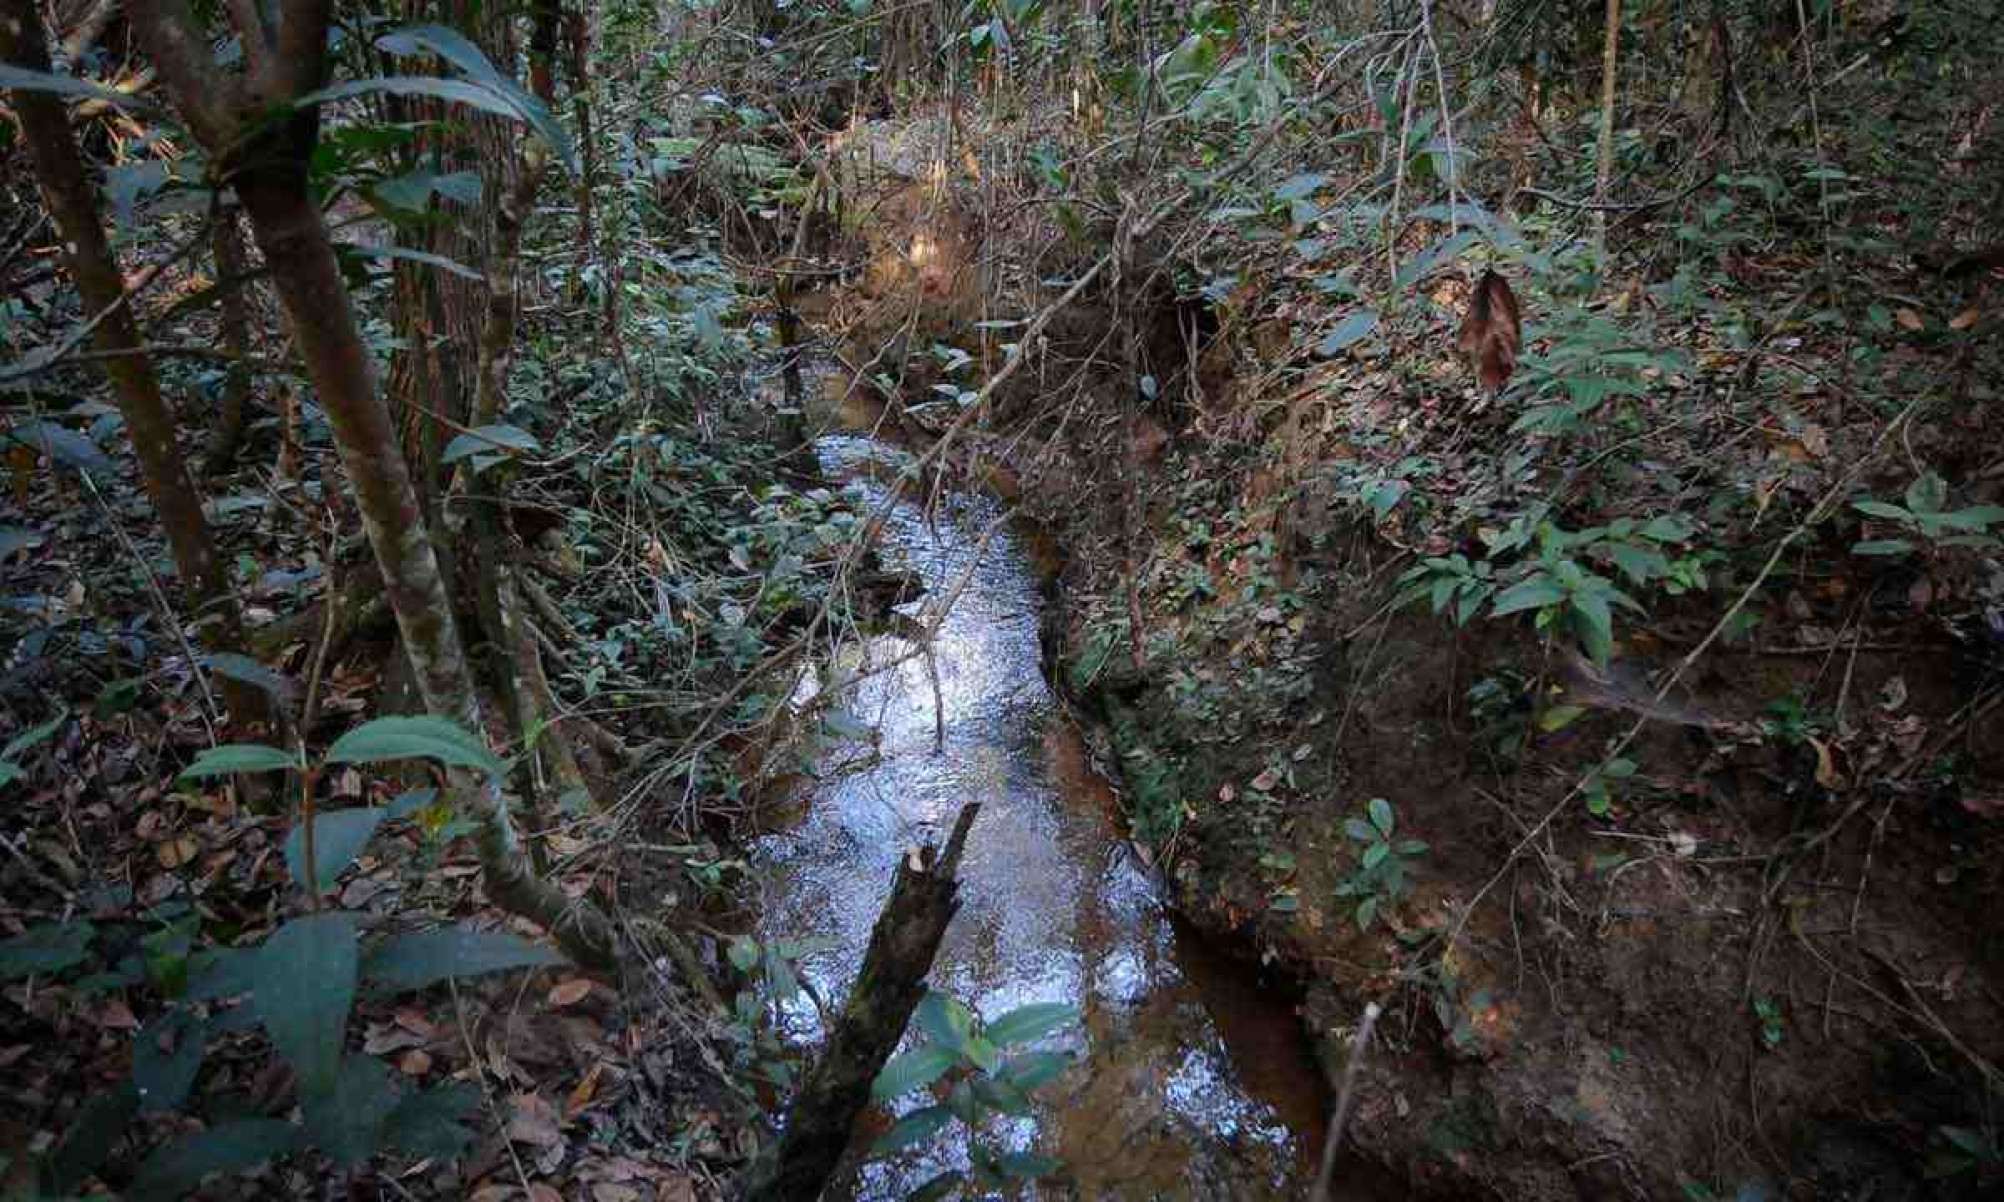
[
  {"x": 348, "y": 1122},
  {"x": 1597, "y": 623},
  {"x": 455, "y": 48},
  {"x": 1375, "y": 854},
  {"x": 92, "y": 1138},
  {"x": 489, "y": 438},
  {"x": 915, "y": 1069},
  {"x": 221, "y": 972},
  {"x": 1026, "y": 1165},
  {"x": 1559, "y": 717},
  {"x": 62, "y": 445},
  {"x": 1412, "y": 847},
  {"x": 917, "y": 1127},
  {"x": 743, "y": 953},
  {"x": 1359, "y": 830},
  {"x": 239, "y": 757},
  {"x": 429, "y": 1122},
  {"x": 414, "y": 738},
  {"x": 945, "y": 1019},
  {"x": 1927, "y": 494},
  {"x": 1381, "y": 815},
  {"x": 421, "y": 958},
  {"x": 1639, "y": 564},
  {"x": 983, "y": 1053},
  {"x": 47, "y": 948},
  {"x": 1668, "y": 528},
  {"x": 1366, "y": 911},
  {"x": 303, "y": 984},
  {"x": 1352, "y": 328},
  {"x": 177, "y": 1168},
  {"x": 20, "y": 79},
  {"x": 164, "y": 1075},
  {"x": 1033, "y": 1021},
  {"x": 1032, "y": 1069},
  {"x": 1535, "y": 593},
  {"x": 1000, "y": 1095},
  {"x": 1880, "y": 509},
  {"x": 452, "y": 91},
  {"x": 338, "y": 837}
]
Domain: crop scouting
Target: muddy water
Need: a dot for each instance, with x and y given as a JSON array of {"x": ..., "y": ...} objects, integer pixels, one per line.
[{"x": 1193, "y": 1080}]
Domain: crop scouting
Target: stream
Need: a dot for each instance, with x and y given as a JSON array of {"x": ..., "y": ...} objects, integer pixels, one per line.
[{"x": 1193, "y": 1078}]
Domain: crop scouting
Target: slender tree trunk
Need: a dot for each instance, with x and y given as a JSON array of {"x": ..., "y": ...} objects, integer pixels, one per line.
[
  {"x": 72, "y": 204},
  {"x": 228, "y": 435},
  {"x": 1604, "y": 171},
  {"x": 267, "y": 164}
]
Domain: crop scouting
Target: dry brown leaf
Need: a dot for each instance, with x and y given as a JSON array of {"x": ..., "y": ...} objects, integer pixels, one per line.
[
  {"x": 415, "y": 1063},
  {"x": 534, "y": 1121},
  {"x": 611, "y": 1191},
  {"x": 571, "y": 992},
  {"x": 117, "y": 1016},
  {"x": 1492, "y": 331},
  {"x": 678, "y": 1188},
  {"x": 1826, "y": 765},
  {"x": 586, "y": 1090},
  {"x": 541, "y": 1191},
  {"x": 1908, "y": 319},
  {"x": 172, "y": 853},
  {"x": 1964, "y": 319}
]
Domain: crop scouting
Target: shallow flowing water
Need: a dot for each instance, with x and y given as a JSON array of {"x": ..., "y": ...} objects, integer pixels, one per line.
[{"x": 1193, "y": 1079}]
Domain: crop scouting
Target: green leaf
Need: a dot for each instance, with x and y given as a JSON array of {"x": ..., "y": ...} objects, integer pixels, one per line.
[
  {"x": 1880, "y": 509},
  {"x": 303, "y": 984},
  {"x": 239, "y": 757},
  {"x": 1375, "y": 854},
  {"x": 917, "y": 1127},
  {"x": 177, "y": 1168},
  {"x": 348, "y": 1122},
  {"x": 92, "y": 1138},
  {"x": 20, "y": 79},
  {"x": 946, "y": 1020},
  {"x": 1597, "y": 623},
  {"x": 1366, "y": 911},
  {"x": 1639, "y": 564},
  {"x": 411, "y": 738},
  {"x": 743, "y": 953},
  {"x": 1001, "y": 1096},
  {"x": 338, "y": 837},
  {"x": 1033, "y": 1021},
  {"x": 163, "y": 1076},
  {"x": 1348, "y": 331},
  {"x": 47, "y": 948},
  {"x": 1032, "y": 1069},
  {"x": 1359, "y": 830},
  {"x": 1927, "y": 494},
  {"x": 1026, "y": 1165},
  {"x": 1381, "y": 815},
  {"x": 983, "y": 1053},
  {"x": 915, "y": 1069},
  {"x": 452, "y": 266},
  {"x": 31, "y": 736},
  {"x": 1559, "y": 717},
  {"x": 489, "y": 438},
  {"x": 421, "y": 958},
  {"x": 428, "y": 1122},
  {"x": 1412, "y": 847},
  {"x": 1535, "y": 593},
  {"x": 455, "y": 48},
  {"x": 1882, "y": 546}
]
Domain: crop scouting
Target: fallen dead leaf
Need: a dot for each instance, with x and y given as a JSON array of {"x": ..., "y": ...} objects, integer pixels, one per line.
[
  {"x": 582, "y": 1095},
  {"x": 571, "y": 992},
  {"x": 1826, "y": 765},
  {"x": 117, "y": 1016},
  {"x": 678, "y": 1188},
  {"x": 1908, "y": 319},
  {"x": 415, "y": 1063},
  {"x": 172, "y": 853},
  {"x": 1964, "y": 319},
  {"x": 612, "y": 1191},
  {"x": 534, "y": 1121},
  {"x": 540, "y": 1191}
]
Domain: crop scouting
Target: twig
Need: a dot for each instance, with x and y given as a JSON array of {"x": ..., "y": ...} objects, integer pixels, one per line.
[{"x": 1344, "y": 1097}]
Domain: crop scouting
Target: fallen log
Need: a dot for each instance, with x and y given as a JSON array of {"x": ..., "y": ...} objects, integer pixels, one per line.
[{"x": 902, "y": 946}]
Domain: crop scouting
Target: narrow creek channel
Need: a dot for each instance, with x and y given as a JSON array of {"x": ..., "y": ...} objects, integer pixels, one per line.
[{"x": 1194, "y": 1079}]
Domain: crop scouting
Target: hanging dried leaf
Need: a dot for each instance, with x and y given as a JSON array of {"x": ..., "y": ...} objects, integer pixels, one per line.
[{"x": 1492, "y": 332}]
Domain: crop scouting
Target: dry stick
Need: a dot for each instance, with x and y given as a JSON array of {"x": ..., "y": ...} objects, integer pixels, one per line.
[
  {"x": 1684, "y": 665},
  {"x": 1344, "y": 1096}
]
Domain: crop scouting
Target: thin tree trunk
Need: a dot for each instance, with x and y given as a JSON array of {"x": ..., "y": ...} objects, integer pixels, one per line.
[
  {"x": 234, "y": 315},
  {"x": 72, "y": 204},
  {"x": 1604, "y": 170},
  {"x": 268, "y": 169}
]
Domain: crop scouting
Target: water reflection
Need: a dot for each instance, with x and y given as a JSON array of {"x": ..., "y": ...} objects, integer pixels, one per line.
[{"x": 1194, "y": 1082}]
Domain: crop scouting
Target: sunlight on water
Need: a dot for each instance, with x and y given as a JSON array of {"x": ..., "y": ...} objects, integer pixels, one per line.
[{"x": 1054, "y": 906}]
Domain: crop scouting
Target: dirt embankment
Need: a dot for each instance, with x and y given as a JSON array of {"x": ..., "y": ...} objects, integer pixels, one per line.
[{"x": 1764, "y": 968}]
